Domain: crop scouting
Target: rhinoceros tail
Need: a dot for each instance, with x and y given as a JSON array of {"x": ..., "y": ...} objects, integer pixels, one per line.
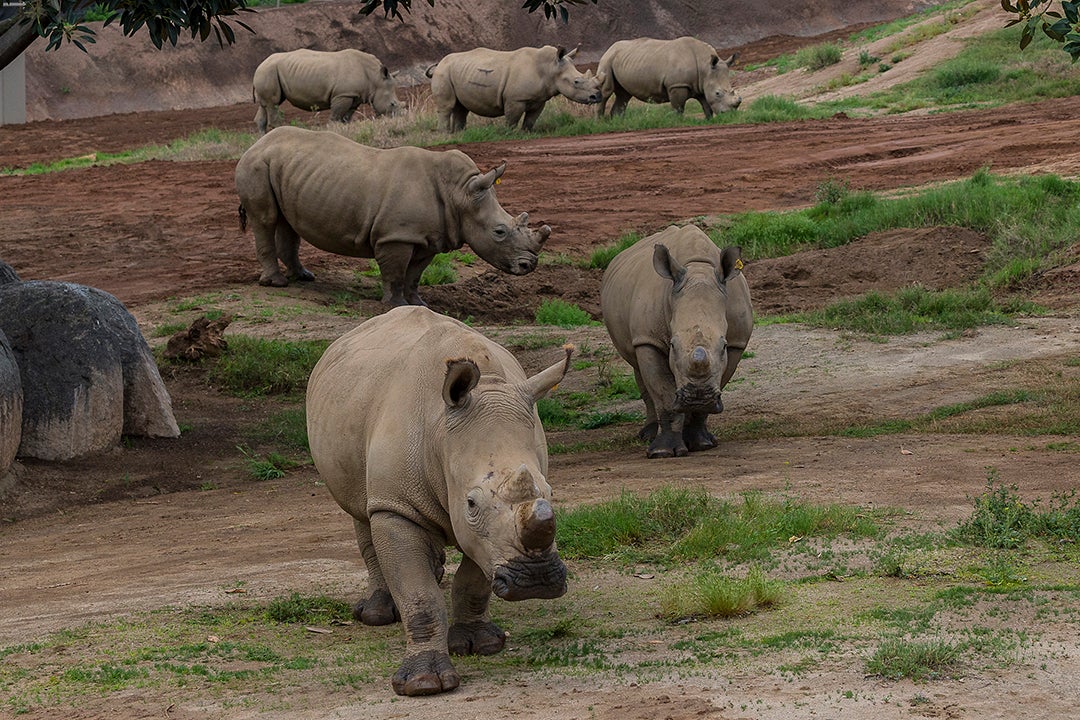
[
  {"x": 431, "y": 70},
  {"x": 243, "y": 217}
]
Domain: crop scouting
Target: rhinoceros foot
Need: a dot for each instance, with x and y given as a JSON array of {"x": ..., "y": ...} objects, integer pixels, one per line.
[
  {"x": 476, "y": 638},
  {"x": 697, "y": 436},
  {"x": 304, "y": 275},
  {"x": 648, "y": 431},
  {"x": 379, "y": 609},
  {"x": 667, "y": 444},
  {"x": 426, "y": 673},
  {"x": 276, "y": 280}
]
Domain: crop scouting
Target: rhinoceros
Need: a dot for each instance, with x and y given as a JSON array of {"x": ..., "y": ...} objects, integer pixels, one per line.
[
  {"x": 315, "y": 80},
  {"x": 513, "y": 84},
  {"x": 401, "y": 206},
  {"x": 678, "y": 310},
  {"x": 666, "y": 71},
  {"x": 426, "y": 433}
]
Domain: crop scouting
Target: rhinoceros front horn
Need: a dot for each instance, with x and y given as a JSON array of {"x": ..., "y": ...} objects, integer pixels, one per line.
[
  {"x": 699, "y": 362},
  {"x": 536, "y": 524}
]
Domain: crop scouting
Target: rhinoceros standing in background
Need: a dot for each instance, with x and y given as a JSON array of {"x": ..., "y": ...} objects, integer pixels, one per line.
[
  {"x": 401, "y": 206},
  {"x": 426, "y": 432},
  {"x": 315, "y": 80},
  {"x": 666, "y": 70},
  {"x": 678, "y": 310},
  {"x": 511, "y": 84}
]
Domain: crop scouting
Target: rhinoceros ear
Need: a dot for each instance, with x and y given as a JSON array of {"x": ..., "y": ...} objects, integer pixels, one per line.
[
  {"x": 483, "y": 182},
  {"x": 667, "y": 266},
  {"x": 730, "y": 263},
  {"x": 545, "y": 381},
  {"x": 462, "y": 375},
  {"x": 385, "y": 72}
]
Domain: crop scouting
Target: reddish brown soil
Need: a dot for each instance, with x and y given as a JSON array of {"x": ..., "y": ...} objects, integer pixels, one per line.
[{"x": 157, "y": 230}]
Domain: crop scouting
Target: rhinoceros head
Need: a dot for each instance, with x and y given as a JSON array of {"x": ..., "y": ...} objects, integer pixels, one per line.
[
  {"x": 498, "y": 497},
  {"x": 384, "y": 98},
  {"x": 504, "y": 241},
  {"x": 698, "y": 349},
  {"x": 717, "y": 87},
  {"x": 572, "y": 84}
]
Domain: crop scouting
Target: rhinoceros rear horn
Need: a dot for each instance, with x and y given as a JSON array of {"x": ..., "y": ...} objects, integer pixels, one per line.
[
  {"x": 536, "y": 524},
  {"x": 667, "y": 266},
  {"x": 484, "y": 181},
  {"x": 462, "y": 375},
  {"x": 545, "y": 381}
]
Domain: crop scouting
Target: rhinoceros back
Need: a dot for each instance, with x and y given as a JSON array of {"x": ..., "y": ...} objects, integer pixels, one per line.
[
  {"x": 647, "y": 68},
  {"x": 375, "y": 408},
  {"x": 635, "y": 299},
  {"x": 309, "y": 78},
  {"x": 342, "y": 196}
]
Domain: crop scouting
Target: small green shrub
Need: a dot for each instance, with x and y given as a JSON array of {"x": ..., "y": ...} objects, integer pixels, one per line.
[
  {"x": 562, "y": 314},
  {"x": 963, "y": 73},
  {"x": 602, "y": 257},
  {"x": 255, "y": 366},
  {"x": 309, "y": 610},
  {"x": 897, "y": 658},
  {"x": 439, "y": 272},
  {"x": 817, "y": 57},
  {"x": 712, "y": 595}
]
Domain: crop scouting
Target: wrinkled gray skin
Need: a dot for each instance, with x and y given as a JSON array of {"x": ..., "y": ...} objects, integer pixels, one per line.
[
  {"x": 666, "y": 71},
  {"x": 426, "y": 433},
  {"x": 400, "y": 206},
  {"x": 313, "y": 80},
  {"x": 513, "y": 84},
  {"x": 678, "y": 310}
]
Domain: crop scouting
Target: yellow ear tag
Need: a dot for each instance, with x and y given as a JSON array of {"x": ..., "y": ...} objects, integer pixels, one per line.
[
  {"x": 738, "y": 264},
  {"x": 498, "y": 180}
]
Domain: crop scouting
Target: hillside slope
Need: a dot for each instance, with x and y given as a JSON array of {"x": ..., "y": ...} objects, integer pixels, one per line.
[{"x": 127, "y": 74}]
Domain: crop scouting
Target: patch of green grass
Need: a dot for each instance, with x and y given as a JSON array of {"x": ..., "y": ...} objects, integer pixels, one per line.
[
  {"x": 255, "y": 366},
  {"x": 675, "y": 524},
  {"x": 269, "y": 467},
  {"x": 913, "y": 309},
  {"x": 1002, "y": 520},
  {"x": 925, "y": 422},
  {"x": 533, "y": 341},
  {"x": 299, "y": 609},
  {"x": 560, "y": 313},
  {"x": 915, "y": 659},
  {"x": 440, "y": 271},
  {"x": 169, "y": 329},
  {"x": 602, "y": 257},
  {"x": 713, "y": 595},
  {"x": 286, "y": 429}
]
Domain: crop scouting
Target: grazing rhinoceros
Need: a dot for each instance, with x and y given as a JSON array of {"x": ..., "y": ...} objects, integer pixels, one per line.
[
  {"x": 426, "y": 432},
  {"x": 315, "y": 80},
  {"x": 678, "y": 310},
  {"x": 510, "y": 84},
  {"x": 401, "y": 206},
  {"x": 666, "y": 70}
]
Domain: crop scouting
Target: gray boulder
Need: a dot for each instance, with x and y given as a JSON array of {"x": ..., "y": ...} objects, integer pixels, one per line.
[{"x": 87, "y": 373}]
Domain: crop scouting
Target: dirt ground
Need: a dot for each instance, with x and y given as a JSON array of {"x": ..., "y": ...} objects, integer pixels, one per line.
[{"x": 157, "y": 522}]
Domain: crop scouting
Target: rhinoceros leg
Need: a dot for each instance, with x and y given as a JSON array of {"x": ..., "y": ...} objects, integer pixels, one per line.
[
  {"x": 417, "y": 265},
  {"x": 287, "y": 244},
  {"x": 512, "y": 111},
  {"x": 651, "y": 427},
  {"x": 473, "y": 633},
  {"x": 378, "y": 608},
  {"x": 621, "y": 99},
  {"x": 678, "y": 97},
  {"x": 342, "y": 107},
  {"x": 414, "y": 555},
  {"x": 531, "y": 116},
  {"x": 266, "y": 251},
  {"x": 394, "y": 260},
  {"x": 660, "y": 388},
  {"x": 696, "y": 435},
  {"x": 456, "y": 118},
  {"x": 261, "y": 119}
]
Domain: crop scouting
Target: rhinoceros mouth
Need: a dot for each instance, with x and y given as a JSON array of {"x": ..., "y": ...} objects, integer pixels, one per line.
[
  {"x": 527, "y": 579},
  {"x": 697, "y": 398}
]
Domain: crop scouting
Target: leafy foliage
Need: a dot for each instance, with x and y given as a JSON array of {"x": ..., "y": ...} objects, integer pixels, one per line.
[
  {"x": 393, "y": 8},
  {"x": 1040, "y": 15}
]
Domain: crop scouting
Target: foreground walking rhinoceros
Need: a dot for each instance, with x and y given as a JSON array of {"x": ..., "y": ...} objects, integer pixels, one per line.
[
  {"x": 426, "y": 432},
  {"x": 666, "y": 71},
  {"x": 678, "y": 310},
  {"x": 511, "y": 84},
  {"x": 313, "y": 80},
  {"x": 401, "y": 206}
]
